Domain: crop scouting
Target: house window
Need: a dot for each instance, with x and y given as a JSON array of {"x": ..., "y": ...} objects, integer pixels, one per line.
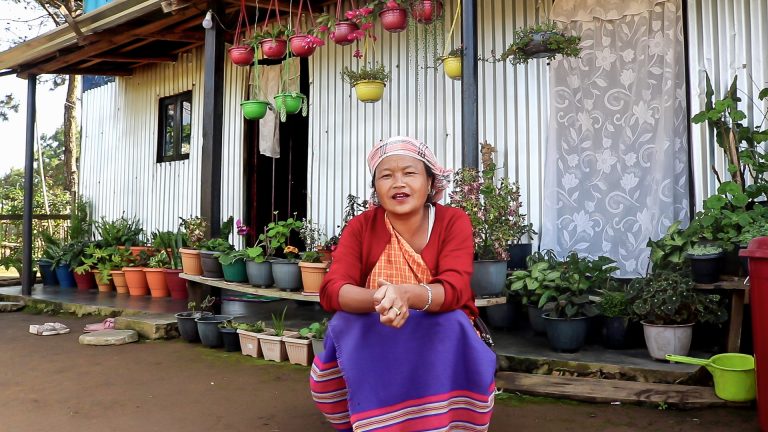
[{"x": 175, "y": 131}]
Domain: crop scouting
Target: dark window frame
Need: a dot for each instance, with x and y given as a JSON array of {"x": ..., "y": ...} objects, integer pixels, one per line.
[{"x": 178, "y": 100}]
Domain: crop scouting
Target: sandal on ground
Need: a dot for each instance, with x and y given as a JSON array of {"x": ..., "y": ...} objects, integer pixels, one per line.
[
  {"x": 48, "y": 329},
  {"x": 107, "y": 324}
]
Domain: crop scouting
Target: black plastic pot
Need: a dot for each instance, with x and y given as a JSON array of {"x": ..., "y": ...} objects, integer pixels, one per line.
[
  {"x": 705, "y": 269},
  {"x": 744, "y": 261},
  {"x": 517, "y": 256},
  {"x": 614, "y": 332},
  {"x": 231, "y": 339},
  {"x": 535, "y": 319},
  {"x": 501, "y": 316},
  {"x": 538, "y": 48},
  {"x": 208, "y": 328},
  {"x": 211, "y": 265},
  {"x": 488, "y": 278},
  {"x": 566, "y": 335},
  {"x": 188, "y": 326}
]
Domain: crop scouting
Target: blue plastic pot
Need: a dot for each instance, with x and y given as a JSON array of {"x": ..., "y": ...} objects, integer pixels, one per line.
[
  {"x": 65, "y": 276},
  {"x": 47, "y": 272}
]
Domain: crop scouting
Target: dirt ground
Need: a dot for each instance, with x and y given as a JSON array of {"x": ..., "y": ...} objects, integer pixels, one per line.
[{"x": 51, "y": 383}]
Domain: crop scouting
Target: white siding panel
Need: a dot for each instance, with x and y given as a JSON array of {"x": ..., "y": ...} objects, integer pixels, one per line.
[
  {"x": 726, "y": 39},
  {"x": 512, "y": 110},
  {"x": 120, "y": 175}
]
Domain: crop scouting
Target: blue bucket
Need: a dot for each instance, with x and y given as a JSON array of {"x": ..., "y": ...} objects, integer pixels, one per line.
[
  {"x": 65, "y": 276},
  {"x": 47, "y": 272}
]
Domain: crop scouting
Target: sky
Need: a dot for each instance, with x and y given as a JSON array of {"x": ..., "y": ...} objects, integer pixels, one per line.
[{"x": 50, "y": 104}]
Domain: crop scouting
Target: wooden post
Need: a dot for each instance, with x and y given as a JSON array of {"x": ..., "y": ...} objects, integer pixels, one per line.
[
  {"x": 469, "y": 86},
  {"x": 27, "y": 276},
  {"x": 213, "y": 108}
]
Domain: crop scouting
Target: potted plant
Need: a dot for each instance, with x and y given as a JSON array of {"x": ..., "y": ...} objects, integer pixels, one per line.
[
  {"x": 229, "y": 336},
  {"x": 155, "y": 274},
  {"x": 255, "y": 108},
  {"x": 285, "y": 271},
  {"x": 135, "y": 278},
  {"x": 493, "y": 211},
  {"x": 542, "y": 274},
  {"x": 316, "y": 332},
  {"x": 120, "y": 258},
  {"x": 233, "y": 265},
  {"x": 567, "y": 304},
  {"x": 62, "y": 260},
  {"x": 171, "y": 242},
  {"x": 541, "y": 41},
  {"x": 303, "y": 44},
  {"x": 426, "y": 11},
  {"x": 272, "y": 41},
  {"x": 289, "y": 102},
  {"x": 368, "y": 81},
  {"x": 705, "y": 262},
  {"x": 186, "y": 320},
  {"x": 313, "y": 268},
  {"x": 208, "y": 329},
  {"x": 241, "y": 52},
  {"x": 298, "y": 348},
  {"x": 667, "y": 305},
  {"x": 212, "y": 248},
  {"x": 194, "y": 229},
  {"x": 452, "y": 63},
  {"x": 84, "y": 277},
  {"x": 258, "y": 264},
  {"x": 272, "y": 345},
  {"x": 394, "y": 16},
  {"x": 615, "y": 308},
  {"x": 51, "y": 247},
  {"x": 249, "y": 340},
  {"x": 341, "y": 31},
  {"x": 100, "y": 261}
]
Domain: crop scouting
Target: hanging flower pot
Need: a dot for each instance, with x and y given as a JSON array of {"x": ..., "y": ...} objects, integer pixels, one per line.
[
  {"x": 254, "y": 109},
  {"x": 241, "y": 55},
  {"x": 274, "y": 48},
  {"x": 452, "y": 67},
  {"x": 343, "y": 31},
  {"x": 302, "y": 45},
  {"x": 369, "y": 91},
  {"x": 290, "y": 103},
  {"x": 426, "y": 11},
  {"x": 394, "y": 20}
]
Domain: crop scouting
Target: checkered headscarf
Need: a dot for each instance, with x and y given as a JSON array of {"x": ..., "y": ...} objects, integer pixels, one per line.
[{"x": 401, "y": 145}]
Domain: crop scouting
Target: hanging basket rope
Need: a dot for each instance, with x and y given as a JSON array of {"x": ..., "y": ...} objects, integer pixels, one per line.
[
  {"x": 453, "y": 26},
  {"x": 298, "y": 17},
  {"x": 243, "y": 17},
  {"x": 266, "y": 17}
]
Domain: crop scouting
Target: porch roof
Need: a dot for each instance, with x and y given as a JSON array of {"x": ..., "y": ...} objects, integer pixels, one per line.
[{"x": 121, "y": 36}]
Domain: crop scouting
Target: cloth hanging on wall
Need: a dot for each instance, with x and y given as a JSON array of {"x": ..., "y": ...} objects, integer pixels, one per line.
[
  {"x": 617, "y": 165},
  {"x": 269, "y": 126}
]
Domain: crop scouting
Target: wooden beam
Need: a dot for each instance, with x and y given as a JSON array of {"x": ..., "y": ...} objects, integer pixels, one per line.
[
  {"x": 94, "y": 71},
  {"x": 111, "y": 42},
  {"x": 133, "y": 59},
  {"x": 188, "y": 36}
]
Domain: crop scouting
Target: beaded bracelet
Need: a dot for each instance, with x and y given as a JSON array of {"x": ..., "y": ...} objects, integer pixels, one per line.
[{"x": 429, "y": 296}]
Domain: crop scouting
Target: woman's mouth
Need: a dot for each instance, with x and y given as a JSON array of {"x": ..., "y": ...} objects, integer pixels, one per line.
[{"x": 400, "y": 196}]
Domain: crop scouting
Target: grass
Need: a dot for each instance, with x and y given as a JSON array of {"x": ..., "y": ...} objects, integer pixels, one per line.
[{"x": 519, "y": 400}]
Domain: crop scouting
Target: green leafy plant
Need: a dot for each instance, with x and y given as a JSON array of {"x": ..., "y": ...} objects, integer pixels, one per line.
[
  {"x": 275, "y": 31},
  {"x": 230, "y": 256},
  {"x": 257, "y": 327},
  {"x": 311, "y": 256},
  {"x": 216, "y": 245},
  {"x": 543, "y": 274},
  {"x": 170, "y": 242},
  {"x": 370, "y": 72},
  {"x": 454, "y": 52},
  {"x": 122, "y": 231},
  {"x": 493, "y": 209},
  {"x": 278, "y": 323},
  {"x": 570, "y": 297},
  {"x": 669, "y": 298},
  {"x": 316, "y": 330},
  {"x": 548, "y": 37},
  {"x": 614, "y": 304},
  {"x": 278, "y": 232},
  {"x": 228, "y": 324},
  {"x": 700, "y": 250},
  {"x": 205, "y": 306},
  {"x": 159, "y": 260},
  {"x": 311, "y": 234}
]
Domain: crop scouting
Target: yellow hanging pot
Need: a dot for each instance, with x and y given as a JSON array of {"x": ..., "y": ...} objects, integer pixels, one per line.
[
  {"x": 369, "y": 91},
  {"x": 452, "y": 67}
]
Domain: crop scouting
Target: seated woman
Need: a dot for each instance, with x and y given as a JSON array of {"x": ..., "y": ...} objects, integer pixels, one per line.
[{"x": 401, "y": 352}]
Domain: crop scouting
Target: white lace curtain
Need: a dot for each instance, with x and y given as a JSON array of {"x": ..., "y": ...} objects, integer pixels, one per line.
[{"x": 617, "y": 154}]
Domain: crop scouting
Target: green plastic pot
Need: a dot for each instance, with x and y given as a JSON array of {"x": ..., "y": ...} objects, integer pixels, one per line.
[
  {"x": 292, "y": 103},
  {"x": 235, "y": 272},
  {"x": 254, "y": 109}
]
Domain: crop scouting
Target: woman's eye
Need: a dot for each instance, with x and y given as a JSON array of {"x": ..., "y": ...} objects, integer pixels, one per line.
[{"x": 385, "y": 176}]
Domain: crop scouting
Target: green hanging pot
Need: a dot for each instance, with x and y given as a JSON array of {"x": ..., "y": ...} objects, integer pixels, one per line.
[
  {"x": 254, "y": 109},
  {"x": 289, "y": 102}
]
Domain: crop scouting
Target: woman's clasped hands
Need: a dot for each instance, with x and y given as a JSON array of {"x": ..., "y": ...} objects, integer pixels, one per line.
[{"x": 391, "y": 302}]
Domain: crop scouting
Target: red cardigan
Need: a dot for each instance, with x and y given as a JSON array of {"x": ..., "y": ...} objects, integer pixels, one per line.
[{"x": 448, "y": 254}]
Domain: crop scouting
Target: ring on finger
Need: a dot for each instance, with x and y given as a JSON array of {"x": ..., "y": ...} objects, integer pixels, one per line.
[{"x": 397, "y": 311}]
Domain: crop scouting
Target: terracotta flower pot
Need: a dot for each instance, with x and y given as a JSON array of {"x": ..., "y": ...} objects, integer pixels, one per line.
[
  {"x": 241, "y": 55},
  {"x": 136, "y": 250},
  {"x": 274, "y": 48},
  {"x": 156, "y": 282},
  {"x": 103, "y": 287},
  {"x": 343, "y": 30},
  {"x": 176, "y": 285},
  {"x": 85, "y": 281},
  {"x": 312, "y": 275},
  {"x": 190, "y": 261},
  {"x": 118, "y": 277},
  {"x": 300, "y": 47},
  {"x": 394, "y": 20},
  {"x": 136, "y": 281},
  {"x": 426, "y": 11}
]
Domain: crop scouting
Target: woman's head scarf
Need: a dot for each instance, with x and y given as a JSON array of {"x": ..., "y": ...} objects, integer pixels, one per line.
[{"x": 401, "y": 145}]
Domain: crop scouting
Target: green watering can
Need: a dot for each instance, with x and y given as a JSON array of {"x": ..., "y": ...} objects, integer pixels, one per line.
[{"x": 734, "y": 374}]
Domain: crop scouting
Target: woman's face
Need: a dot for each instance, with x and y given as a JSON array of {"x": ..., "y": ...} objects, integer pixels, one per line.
[{"x": 402, "y": 184}]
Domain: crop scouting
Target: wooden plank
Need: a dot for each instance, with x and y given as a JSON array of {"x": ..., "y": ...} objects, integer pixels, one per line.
[
  {"x": 736, "y": 321},
  {"x": 295, "y": 295},
  {"x": 187, "y": 36},
  {"x": 607, "y": 391}
]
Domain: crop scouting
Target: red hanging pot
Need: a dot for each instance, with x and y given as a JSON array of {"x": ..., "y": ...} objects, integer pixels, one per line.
[
  {"x": 343, "y": 30},
  {"x": 241, "y": 55},
  {"x": 300, "y": 46},
  {"x": 274, "y": 48},
  {"x": 426, "y": 11},
  {"x": 394, "y": 20}
]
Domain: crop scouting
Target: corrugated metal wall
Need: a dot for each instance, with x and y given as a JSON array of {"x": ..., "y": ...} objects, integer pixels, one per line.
[
  {"x": 118, "y": 165},
  {"x": 512, "y": 109},
  {"x": 726, "y": 38}
]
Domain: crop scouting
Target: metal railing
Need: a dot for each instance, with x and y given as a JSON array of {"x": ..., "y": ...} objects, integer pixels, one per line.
[{"x": 11, "y": 232}]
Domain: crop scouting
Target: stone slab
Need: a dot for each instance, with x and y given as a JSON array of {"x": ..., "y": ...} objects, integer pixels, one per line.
[
  {"x": 10, "y": 306},
  {"x": 109, "y": 337},
  {"x": 149, "y": 327}
]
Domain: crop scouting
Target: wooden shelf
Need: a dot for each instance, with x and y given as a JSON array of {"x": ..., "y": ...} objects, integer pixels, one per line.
[{"x": 297, "y": 295}]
